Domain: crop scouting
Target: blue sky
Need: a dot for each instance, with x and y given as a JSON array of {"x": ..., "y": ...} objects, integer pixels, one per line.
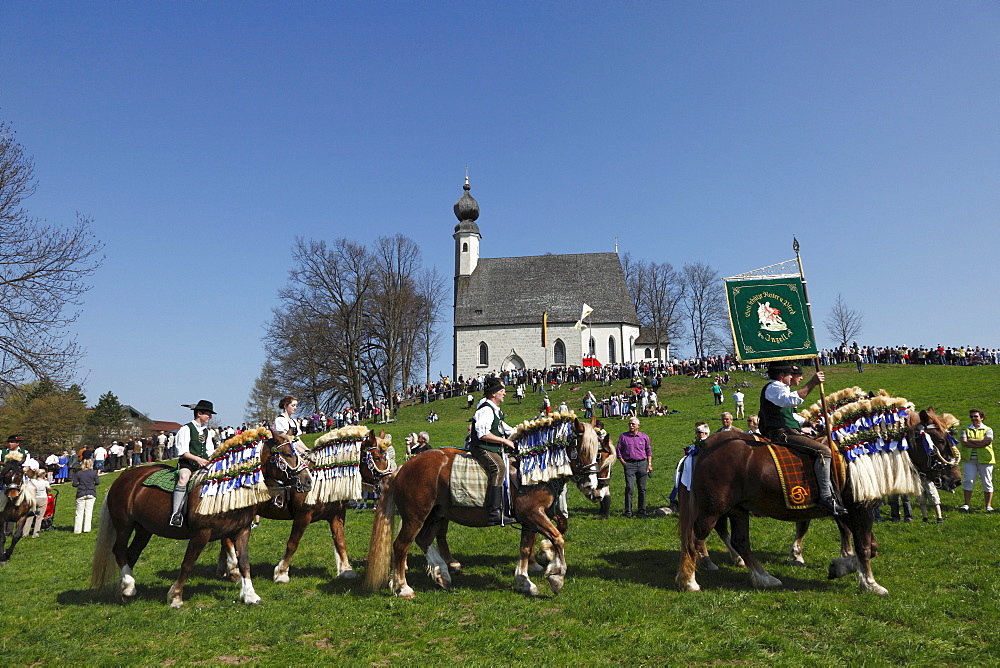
[{"x": 203, "y": 137}]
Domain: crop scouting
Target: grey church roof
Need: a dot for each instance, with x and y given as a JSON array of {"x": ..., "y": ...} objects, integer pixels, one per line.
[{"x": 516, "y": 290}]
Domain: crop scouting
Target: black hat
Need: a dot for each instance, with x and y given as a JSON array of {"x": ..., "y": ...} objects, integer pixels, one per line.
[
  {"x": 492, "y": 387},
  {"x": 202, "y": 405},
  {"x": 14, "y": 438},
  {"x": 784, "y": 366}
]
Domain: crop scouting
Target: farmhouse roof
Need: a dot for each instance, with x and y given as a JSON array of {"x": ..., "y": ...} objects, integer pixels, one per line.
[{"x": 517, "y": 290}]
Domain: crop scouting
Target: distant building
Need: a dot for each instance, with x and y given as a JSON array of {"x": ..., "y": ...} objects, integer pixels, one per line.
[{"x": 499, "y": 304}]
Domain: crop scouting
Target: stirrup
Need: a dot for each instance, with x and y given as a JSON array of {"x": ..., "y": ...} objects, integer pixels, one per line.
[{"x": 176, "y": 520}]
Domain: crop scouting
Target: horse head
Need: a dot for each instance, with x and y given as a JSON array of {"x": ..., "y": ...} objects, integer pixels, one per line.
[
  {"x": 375, "y": 464},
  {"x": 286, "y": 467},
  {"x": 12, "y": 475},
  {"x": 583, "y": 458},
  {"x": 934, "y": 448}
]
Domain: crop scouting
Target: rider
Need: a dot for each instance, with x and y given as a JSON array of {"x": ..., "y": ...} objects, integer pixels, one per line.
[
  {"x": 780, "y": 423},
  {"x": 13, "y": 445},
  {"x": 194, "y": 444},
  {"x": 490, "y": 434}
]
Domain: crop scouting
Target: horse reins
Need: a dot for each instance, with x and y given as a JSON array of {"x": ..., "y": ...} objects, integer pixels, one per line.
[{"x": 377, "y": 473}]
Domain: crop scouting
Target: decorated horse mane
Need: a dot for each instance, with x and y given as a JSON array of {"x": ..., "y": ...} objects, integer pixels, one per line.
[
  {"x": 542, "y": 452},
  {"x": 233, "y": 478},
  {"x": 872, "y": 431},
  {"x": 14, "y": 461},
  {"x": 335, "y": 472}
]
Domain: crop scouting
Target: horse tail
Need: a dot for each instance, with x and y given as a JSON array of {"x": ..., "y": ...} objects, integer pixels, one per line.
[
  {"x": 689, "y": 546},
  {"x": 380, "y": 549},
  {"x": 104, "y": 569}
]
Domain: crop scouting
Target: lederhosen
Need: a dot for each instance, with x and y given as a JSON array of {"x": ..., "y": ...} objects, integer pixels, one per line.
[
  {"x": 778, "y": 423},
  {"x": 197, "y": 447},
  {"x": 488, "y": 454}
]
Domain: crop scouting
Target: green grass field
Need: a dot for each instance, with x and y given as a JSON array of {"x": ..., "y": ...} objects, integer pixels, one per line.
[{"x": 619, "y": 604}]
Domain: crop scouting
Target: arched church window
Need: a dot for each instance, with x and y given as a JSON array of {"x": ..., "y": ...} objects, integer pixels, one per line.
[
  {"x": 559, "y": 352},
  {"x": 611, "y": 350},
  {"x": 649, "y": 353},
  {"x": 484, "y": 354},
  {"x": 592, "y": 347},
  {"x": 465, "y": 247}
]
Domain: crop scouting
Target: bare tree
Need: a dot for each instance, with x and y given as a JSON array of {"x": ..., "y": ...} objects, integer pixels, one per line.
[
  {"x": 43, "y": 272},
  {"x": 704, "y": 307},
  {"x": 843, "y": 323},
  {"x": 433, "y": 294},
  {"x": 663, "y": 313}
]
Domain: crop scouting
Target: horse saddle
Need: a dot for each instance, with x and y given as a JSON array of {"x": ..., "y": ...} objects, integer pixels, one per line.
[
  {"x": 796, "y": 471},
  {"x": 469, "y": 482},
  {"x": 165, "y": 479}
]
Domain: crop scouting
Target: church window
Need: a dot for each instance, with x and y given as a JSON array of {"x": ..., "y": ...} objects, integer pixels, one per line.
[
  {"x": 560, "y": 352},
  {"x": 465, "y": 248},
  {"x": 484, "y": 354},
  {"x": 611, "y": 350},
  {"x": 592, "y": 347},
  {"x": 649, "y": 353}
]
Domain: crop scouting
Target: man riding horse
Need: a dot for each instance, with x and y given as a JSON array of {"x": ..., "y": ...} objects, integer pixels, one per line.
[
  {"x": 780, "y": 423},
  {"x": 490, "y": 435},
  {"x": 194, "y": 444}
]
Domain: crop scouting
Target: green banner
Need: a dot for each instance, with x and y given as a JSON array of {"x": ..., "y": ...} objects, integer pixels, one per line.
[{"x": 769, "y": 319}]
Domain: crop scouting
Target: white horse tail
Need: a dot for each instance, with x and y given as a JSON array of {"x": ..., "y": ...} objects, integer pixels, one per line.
[
  {"x": 104, "y": 569},
  {"x": 380, "y": 549}
]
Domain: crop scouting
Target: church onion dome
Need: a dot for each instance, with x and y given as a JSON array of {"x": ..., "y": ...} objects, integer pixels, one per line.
[{"x": 467, "y": 211}]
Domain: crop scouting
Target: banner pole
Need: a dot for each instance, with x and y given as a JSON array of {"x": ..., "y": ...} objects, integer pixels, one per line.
[{"x": 805, "y": 295}]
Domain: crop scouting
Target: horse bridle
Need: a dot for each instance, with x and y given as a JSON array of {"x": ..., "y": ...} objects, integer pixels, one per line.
[
  {"x": 377, "y": 473},
  {"x": 583, "y": 471},
  {"x": 291, "y": 472},
  {"x": 936, "y": 463}
]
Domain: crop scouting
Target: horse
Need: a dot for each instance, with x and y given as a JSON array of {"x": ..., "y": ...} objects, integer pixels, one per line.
[
  {"x": 374, "y": 467},
  {"x": 734, "y": 477},
  {"x": 420, "y": 491},
  {"x": 130, "y": 507},
  {"x": 16, "y": 504}
]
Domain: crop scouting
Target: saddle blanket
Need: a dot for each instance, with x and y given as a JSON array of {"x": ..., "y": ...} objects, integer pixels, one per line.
[
  {"x": 797, "y": 475},
  {"x": 468, "y": 482},
  {"x": 165, "y": 479}
]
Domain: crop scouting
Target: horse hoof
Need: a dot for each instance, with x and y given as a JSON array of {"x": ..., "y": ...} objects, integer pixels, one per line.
[
  {"x": 523, "y": 585},
  {"x": 253, "y": 600},
  {"x": 556, "y": 583},
  {"x": 406, "y": 592},
  {"x": 176, "y": 603},
  {"x": 348, "y": 575},
  {"x": 766, "y": 582},
  {"x": 796, "y": 561},
  {"x": 282, "y": 578},
  {"x": 455, "y": 567}
]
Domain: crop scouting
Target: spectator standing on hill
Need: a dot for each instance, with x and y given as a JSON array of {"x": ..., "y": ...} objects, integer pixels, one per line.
[
  {"x": 717, "y": 393},
  {"x": 636, "y": 455},
  {"x": 86, "y": 483},
  {"x": 738, "y": 400},
  {"x": 977, "y": 459}
]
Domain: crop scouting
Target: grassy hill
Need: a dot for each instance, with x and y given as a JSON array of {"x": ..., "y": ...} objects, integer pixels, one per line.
[{"x": 619, "y": 604}]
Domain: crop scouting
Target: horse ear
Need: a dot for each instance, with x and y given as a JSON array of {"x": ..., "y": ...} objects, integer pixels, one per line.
[
  {"x": 577, "y": 427},
  {"x": 593, "y": 420},
  {"x": 381, "y": 434}
]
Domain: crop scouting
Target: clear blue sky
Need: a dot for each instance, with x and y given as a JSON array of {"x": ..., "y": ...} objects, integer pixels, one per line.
[{"x": 203, "y": 137}]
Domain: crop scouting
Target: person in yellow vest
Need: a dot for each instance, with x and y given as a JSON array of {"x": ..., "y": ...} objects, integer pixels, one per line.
[
  {"x": 977, "y": 459},
  {"x": 194, "y": 444}
]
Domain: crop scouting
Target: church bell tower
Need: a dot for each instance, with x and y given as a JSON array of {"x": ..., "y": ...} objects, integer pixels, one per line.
[{"x": 466, "y": 253}]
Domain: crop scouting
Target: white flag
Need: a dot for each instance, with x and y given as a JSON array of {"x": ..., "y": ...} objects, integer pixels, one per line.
[{"x": 587, "y": 310}]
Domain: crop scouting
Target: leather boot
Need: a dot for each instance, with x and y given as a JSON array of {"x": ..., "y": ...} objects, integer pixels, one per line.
[
  {"x": 827, "y": 498},
  {"x": 176, "y": 517},
  {"x": 494, "y": 503}
]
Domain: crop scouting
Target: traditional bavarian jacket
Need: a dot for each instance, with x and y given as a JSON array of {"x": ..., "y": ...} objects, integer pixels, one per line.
[
  {"x": 196, "y": 439},
  {"x": 777, "y": 408},
  {"x": 489, "y": 419}
]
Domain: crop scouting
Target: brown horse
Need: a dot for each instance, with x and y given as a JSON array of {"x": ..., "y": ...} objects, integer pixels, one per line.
[
  {"x": 374, "y": 467},
  {"x": 130, "y": 507},
  {"x": 421, "y": 492},
  {"x": 16, "y": 504},
  {"x": 733, "y": 478}
]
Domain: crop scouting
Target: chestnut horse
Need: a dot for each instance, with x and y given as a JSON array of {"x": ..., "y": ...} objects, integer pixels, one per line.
[
  {"x": 374, "y": 467},
  {"x": 16, "y": 504},
  {"x": 131, "y": 507},
  {"x": 734, "y": 477},
  {"x": 421, "y": 492}
]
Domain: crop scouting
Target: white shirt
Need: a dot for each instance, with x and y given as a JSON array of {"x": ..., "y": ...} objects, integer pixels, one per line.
[
  {"x": 781, "y": 395},
  {"x": 283, "y": 424},
  {"x": 100, "y": 453},
  {"x": 484, "y": 419},
  {"x": 738, "y": 397}
]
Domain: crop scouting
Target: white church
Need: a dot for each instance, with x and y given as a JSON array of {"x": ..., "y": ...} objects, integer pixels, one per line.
[{"x": 499, "y": 303}]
